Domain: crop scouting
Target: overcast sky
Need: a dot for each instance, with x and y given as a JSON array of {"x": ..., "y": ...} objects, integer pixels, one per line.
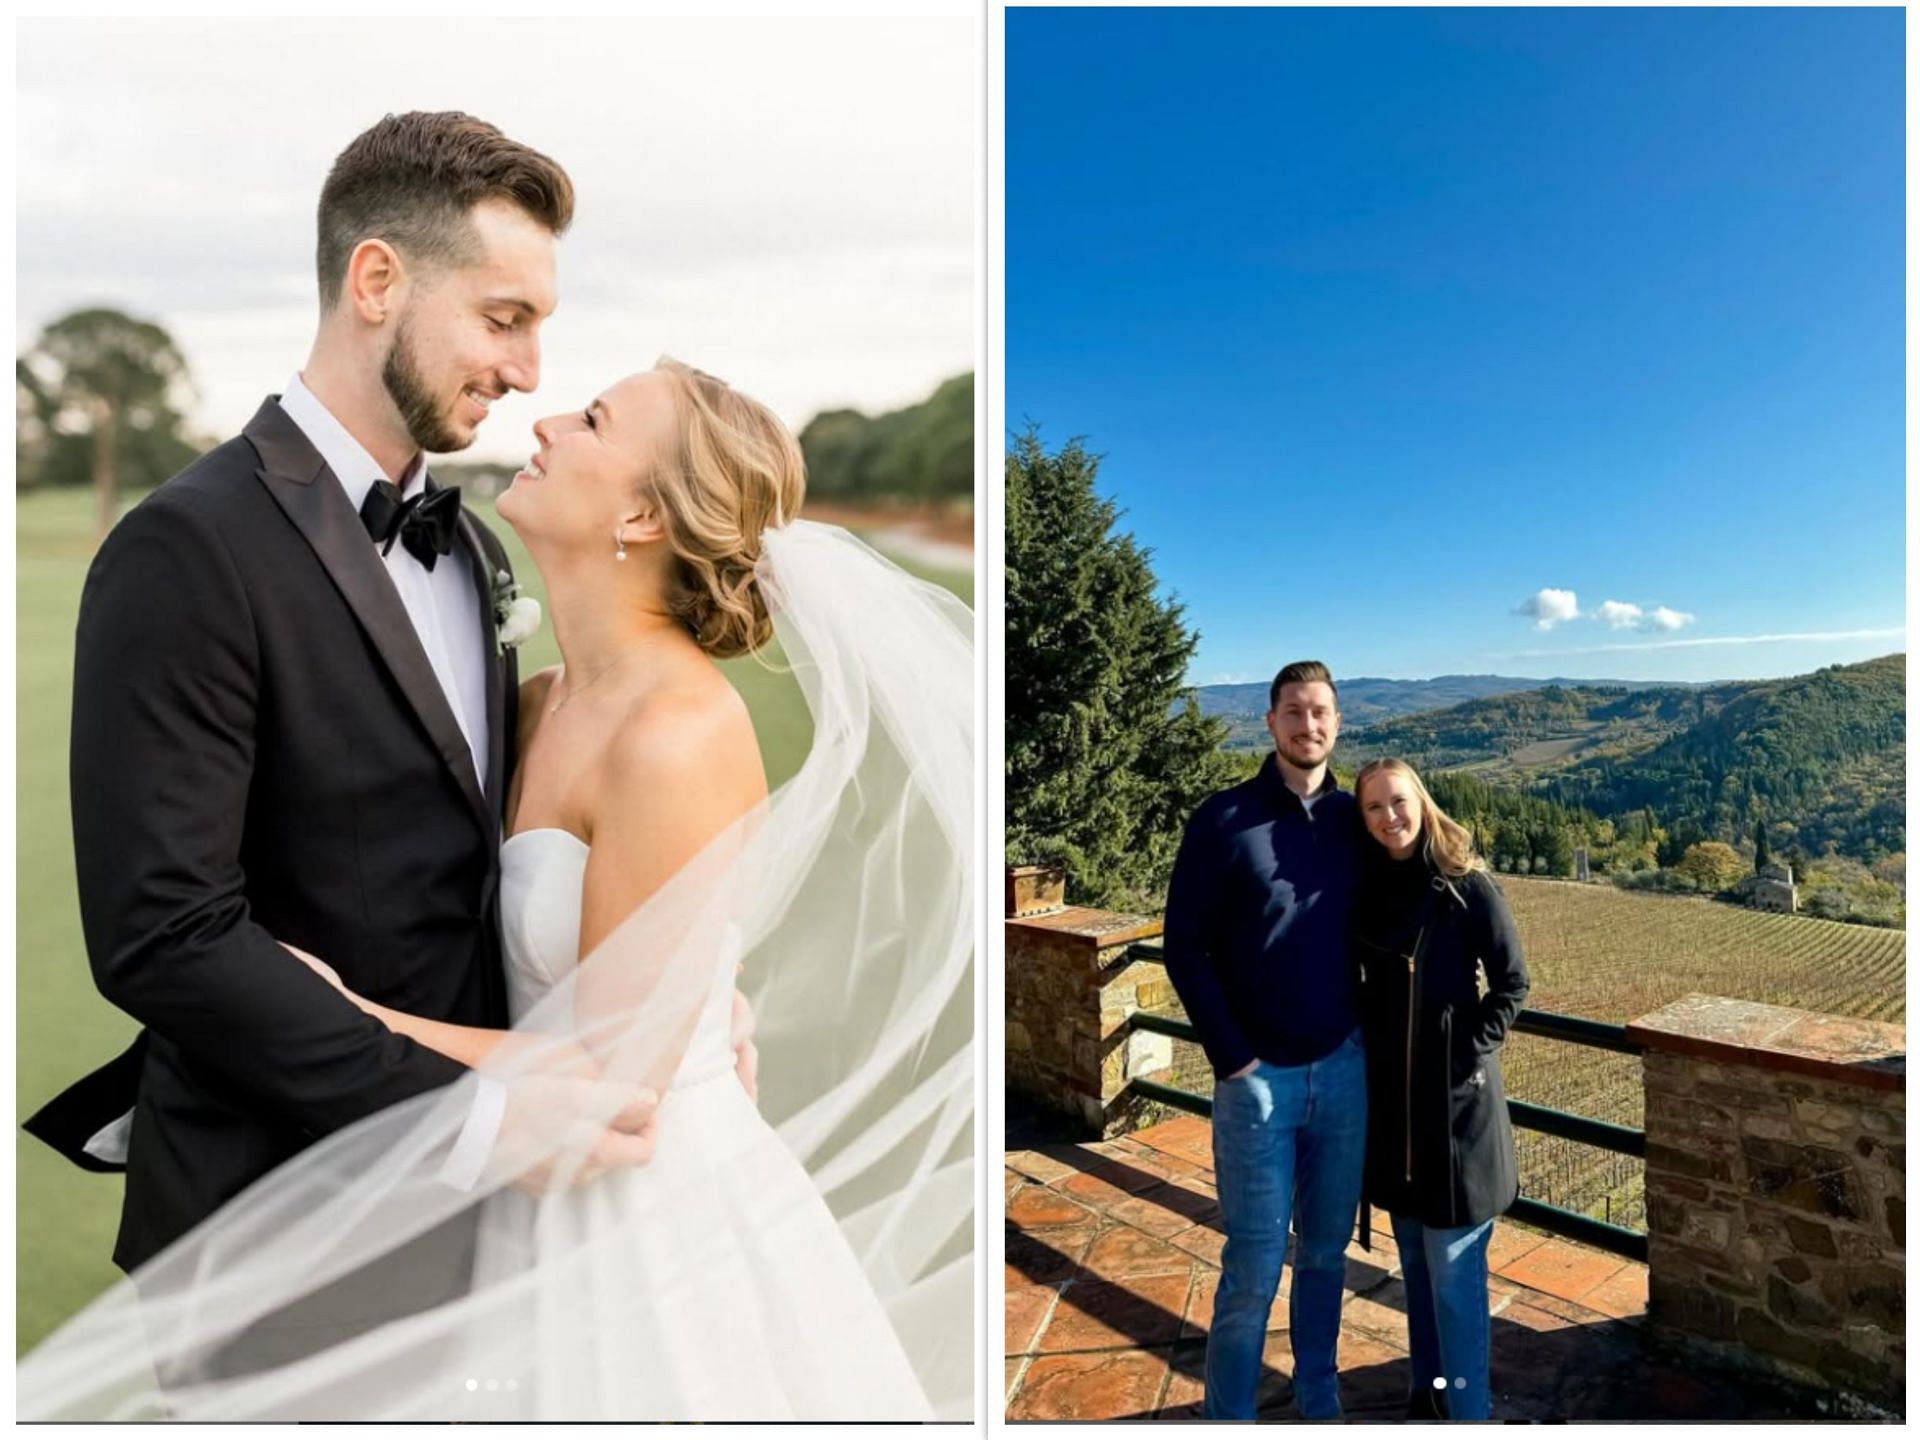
[{"x": 785, "y": 202}]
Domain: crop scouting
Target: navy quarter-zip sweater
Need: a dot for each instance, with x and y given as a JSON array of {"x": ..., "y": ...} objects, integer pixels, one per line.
[{"x": 1256, "y": 924}]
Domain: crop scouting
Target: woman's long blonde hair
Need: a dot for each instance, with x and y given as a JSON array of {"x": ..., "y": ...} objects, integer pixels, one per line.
[
  {"x": 737, "y": 470},
  {"x": 1444, "y": 841}
]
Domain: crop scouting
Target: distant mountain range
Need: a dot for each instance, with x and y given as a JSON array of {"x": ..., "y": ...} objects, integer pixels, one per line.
[
  {"x": 1821, "y": 757},
  {"x": 1366, "y": 701}
]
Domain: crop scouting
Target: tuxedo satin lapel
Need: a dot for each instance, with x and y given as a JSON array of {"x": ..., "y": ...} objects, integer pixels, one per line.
[
  {"x": 499, "y": 718},
  {"x": 291, "y": 469}
]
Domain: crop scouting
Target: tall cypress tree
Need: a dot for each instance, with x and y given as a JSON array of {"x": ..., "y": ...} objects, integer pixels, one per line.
[{"x": 1107, "y": 752}]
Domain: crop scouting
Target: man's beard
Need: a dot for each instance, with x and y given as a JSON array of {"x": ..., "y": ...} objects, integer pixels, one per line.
[
  {"x": 1287, "y": 754},
  {"x": 426, "y": 425}
]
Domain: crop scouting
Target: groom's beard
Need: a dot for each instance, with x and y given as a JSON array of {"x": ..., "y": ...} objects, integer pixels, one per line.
[
  {"x": 1302, "y": 758},
  {"x": 425, "y": 423}
]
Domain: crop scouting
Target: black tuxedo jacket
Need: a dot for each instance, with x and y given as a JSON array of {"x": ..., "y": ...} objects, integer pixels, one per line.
[{"x": 261, "y": 752}]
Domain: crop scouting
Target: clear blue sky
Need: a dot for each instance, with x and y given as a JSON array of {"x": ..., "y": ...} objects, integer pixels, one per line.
[{"x": 1386, "y": 321}]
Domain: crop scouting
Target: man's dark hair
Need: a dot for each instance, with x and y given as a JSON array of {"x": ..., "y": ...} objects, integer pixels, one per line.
[
  {"x": 413, "y": 180},
  {"x": 1301, "y": 672}
]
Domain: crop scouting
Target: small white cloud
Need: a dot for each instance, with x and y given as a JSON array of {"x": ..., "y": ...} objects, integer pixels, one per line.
[
  {"x": 1624, "y": 615},
  {"x": 1620, "y": 615},
  {"x": 1548, "y": 608}
]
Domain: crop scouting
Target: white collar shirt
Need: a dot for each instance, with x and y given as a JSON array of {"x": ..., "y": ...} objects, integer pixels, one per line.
[
  {"x": 454, "y": 631},
  {"x": 441, "y": 602}
]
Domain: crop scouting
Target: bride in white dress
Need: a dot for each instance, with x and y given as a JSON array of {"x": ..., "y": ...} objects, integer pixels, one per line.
[{"x": 810, "y": 1264}]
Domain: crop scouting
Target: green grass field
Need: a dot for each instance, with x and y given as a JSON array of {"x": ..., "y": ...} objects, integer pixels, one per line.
[{"x": 65, "y": 1217}]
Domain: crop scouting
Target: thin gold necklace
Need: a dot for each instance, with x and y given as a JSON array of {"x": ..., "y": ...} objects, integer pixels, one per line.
[{"x": 612, "y": 664}]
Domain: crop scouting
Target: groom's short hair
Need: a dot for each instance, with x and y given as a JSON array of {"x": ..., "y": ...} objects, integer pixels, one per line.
[
  {"x": 412, "y": 180},
  {"x": 1301, "y": 672}
]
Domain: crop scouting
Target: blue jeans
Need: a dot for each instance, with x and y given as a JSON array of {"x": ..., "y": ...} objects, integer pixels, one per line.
[
  {"x": 1447, "y": 1325},
  {"x": 1289, "y": 1142}
]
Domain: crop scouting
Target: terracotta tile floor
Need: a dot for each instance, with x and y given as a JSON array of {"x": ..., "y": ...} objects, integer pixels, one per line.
[{"x": 1113, "y": 1253}]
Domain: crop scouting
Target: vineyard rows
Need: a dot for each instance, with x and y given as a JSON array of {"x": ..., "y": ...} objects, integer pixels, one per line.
[{"x": 1609, "y": 955}]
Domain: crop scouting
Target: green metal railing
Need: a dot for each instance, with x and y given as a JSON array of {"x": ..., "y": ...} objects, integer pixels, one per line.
[{"x": 1583, "y": 1129}]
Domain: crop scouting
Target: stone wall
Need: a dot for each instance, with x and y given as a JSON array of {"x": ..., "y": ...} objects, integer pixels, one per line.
[
  {"x": 1776, "y": 1192},
  {"x": 1071, "y": 986}
]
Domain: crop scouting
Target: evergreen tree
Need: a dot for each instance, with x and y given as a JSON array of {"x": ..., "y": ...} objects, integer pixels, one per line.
[
  {"x": 1107, "y": 753},
  {"x": 1557, "y": 850},
  {"x": 1762, "y": 857},
  {"x": 1795, "y": 859}
]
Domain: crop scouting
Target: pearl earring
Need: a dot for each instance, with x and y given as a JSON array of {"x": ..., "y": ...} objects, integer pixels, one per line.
[{"x": 620, "y": 547}]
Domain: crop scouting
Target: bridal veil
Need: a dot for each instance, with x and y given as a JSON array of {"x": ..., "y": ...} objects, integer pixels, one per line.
[{"x": 343, "y": 1285}]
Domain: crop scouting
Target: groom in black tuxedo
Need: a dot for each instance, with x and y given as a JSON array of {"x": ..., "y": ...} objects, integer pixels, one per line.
[{"x": 292, "y": 720}]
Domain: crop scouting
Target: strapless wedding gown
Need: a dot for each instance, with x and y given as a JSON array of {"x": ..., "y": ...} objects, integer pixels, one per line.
[{"x": 712, "y": 1283}]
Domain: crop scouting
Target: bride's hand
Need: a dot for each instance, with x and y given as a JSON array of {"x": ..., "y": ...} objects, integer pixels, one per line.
[
  {"x": 565, "y": 1124},
  {"x": 562, "y": 1130},
  {"x": 746, "y": 1058},
  {"x": 325, "y": 971}
]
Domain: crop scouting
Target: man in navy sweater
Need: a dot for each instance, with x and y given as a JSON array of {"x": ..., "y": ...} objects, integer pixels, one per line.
[{"x": 1256, "y": 946}]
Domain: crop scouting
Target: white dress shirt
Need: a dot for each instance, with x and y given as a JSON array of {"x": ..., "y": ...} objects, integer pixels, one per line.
[
  {"x": 446, "y": 615},
  {"x": 441, "y": 602}
]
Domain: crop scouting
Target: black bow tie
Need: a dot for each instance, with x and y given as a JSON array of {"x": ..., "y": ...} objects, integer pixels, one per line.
[{"x": 423, "y": 524}]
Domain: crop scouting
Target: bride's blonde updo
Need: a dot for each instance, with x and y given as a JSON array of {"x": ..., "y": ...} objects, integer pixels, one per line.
[{"x": 738, "y": 471}]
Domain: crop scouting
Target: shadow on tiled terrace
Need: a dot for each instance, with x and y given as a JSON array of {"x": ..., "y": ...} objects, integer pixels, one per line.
[{"x": 1113, "y": 1252}]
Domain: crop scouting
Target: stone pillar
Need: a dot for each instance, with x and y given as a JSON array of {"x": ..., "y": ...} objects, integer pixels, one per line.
[
  {"x": 1035, "y": 890},
  {"x": 1070, "y": 988},
  {"x": 1776, "y": 1193}
]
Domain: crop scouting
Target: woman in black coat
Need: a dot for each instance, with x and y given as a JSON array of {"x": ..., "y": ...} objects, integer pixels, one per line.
[{"x": 1428, "y": 923}]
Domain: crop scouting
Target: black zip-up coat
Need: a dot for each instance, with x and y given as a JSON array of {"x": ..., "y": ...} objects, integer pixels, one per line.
[{"x": 1439, "y": 1141}]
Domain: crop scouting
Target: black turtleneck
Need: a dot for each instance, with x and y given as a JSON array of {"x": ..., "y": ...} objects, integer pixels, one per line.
[{"x": 1392, "y": 896}]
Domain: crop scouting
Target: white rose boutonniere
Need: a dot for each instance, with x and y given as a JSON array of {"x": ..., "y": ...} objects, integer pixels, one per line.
[{"x": 515, "y": 616}]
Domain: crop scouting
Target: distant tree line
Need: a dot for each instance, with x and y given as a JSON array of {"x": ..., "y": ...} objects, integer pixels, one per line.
[
  {"x": 1525, "y": 834},
  {"x": 102, "y": 398},
  {"x": 921, "y": 454}
]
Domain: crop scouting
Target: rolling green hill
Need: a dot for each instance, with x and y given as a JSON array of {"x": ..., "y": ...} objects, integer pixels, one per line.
[
  {"x": 1822, "y": 757},
  {"x": 1368, "y": 701},
  {"x": 1518, "y": 736}
]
